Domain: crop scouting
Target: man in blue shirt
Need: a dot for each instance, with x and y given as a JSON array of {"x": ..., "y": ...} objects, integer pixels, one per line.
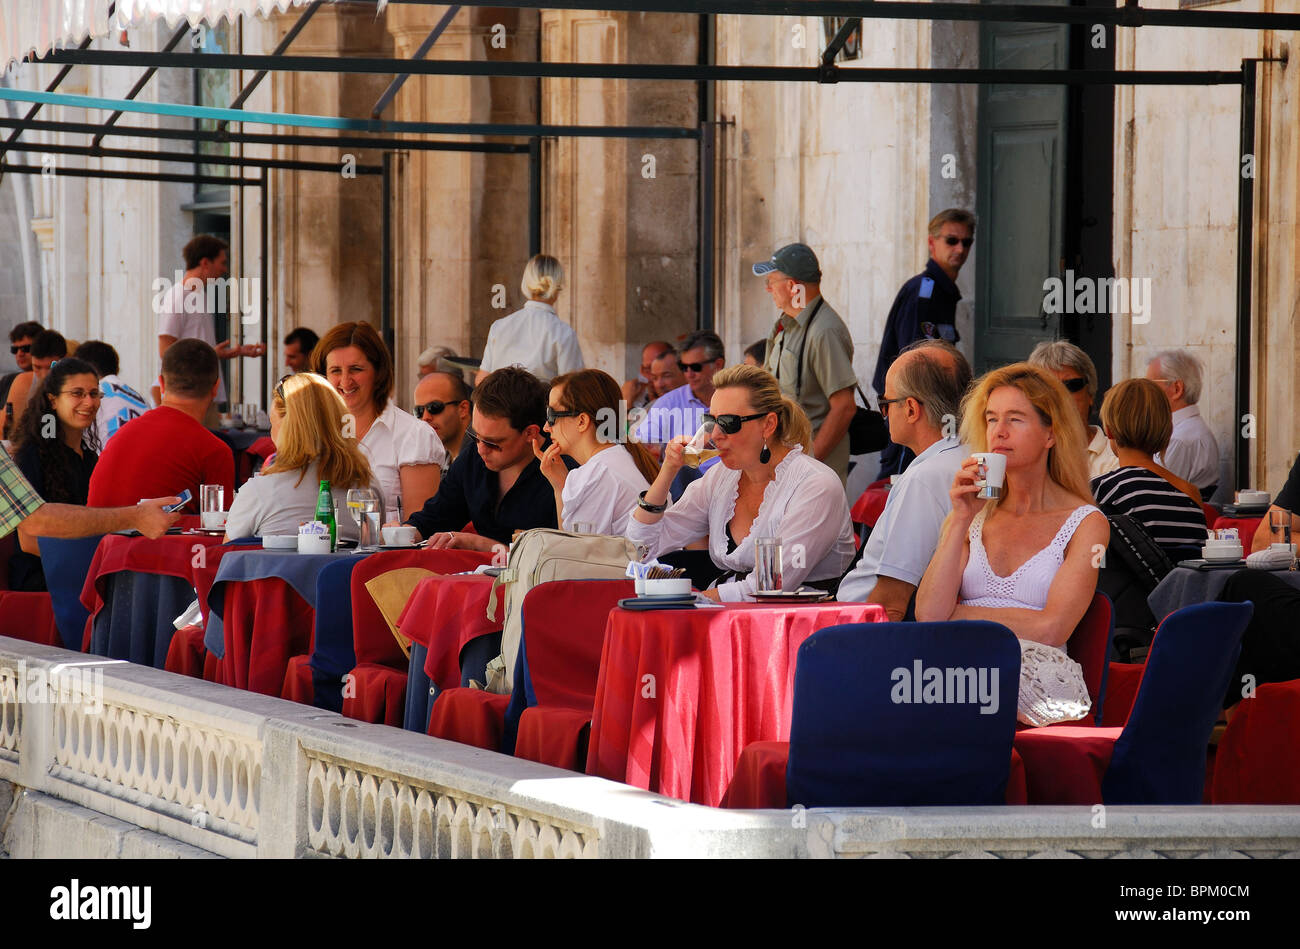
[{"x": 925, "y": 307}]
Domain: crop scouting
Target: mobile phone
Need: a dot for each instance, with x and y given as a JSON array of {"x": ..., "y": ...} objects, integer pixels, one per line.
[{"x": 185, "y": 496}]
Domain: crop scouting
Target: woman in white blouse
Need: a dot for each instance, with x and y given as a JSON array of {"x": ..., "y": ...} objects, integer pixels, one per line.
[
  {"x": 307, "y": 422},
  {"x": 582, "y": 419},
  {"x": 767, "y": 486},
  {"x": 406, "y": 454},
  {"x": 534, "y": 337}
]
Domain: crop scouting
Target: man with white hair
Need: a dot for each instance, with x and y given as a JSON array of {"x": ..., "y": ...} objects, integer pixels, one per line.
[
  {"x": 1193, "y": 453},
  {"x": 1078, "y": 374}
]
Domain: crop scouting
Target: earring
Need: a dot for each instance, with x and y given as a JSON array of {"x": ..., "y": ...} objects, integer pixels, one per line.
[{"x": 765, "y": 455}]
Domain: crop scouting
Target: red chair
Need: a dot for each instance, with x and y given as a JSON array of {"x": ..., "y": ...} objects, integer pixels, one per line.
[
  {"x": 570, "y": 616},
  {"x": 564, "y": 636},
  {"x": 1088, "y": 646},
  {"x": 378, "y": 686},
  {"x": 1246, "y": 527},
  {"x": 265, "y": 622},
  {"x": 1258, "y": 758},
  {"x": 1122, "y": 684},
  {"x": 29, "y": 617},
  {"x": 186, "y": 653}
]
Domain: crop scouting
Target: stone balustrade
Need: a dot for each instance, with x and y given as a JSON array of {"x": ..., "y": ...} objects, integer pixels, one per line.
[{"x": 125, "y": 749}]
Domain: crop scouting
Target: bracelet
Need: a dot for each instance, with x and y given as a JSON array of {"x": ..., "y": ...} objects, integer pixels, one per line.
[{"x": 647, "y": 506}]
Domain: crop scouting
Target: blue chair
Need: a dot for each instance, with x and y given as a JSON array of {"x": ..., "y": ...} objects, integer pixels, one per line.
[
  {"x": 332, "y": 655},
  {"x": 66, "y": 563},
  {"x": 1159, "y": 757},
  {"x": 864, "y": 732}
]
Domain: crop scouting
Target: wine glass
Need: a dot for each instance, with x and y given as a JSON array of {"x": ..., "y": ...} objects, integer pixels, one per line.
[{"x": 366, "y": 508}]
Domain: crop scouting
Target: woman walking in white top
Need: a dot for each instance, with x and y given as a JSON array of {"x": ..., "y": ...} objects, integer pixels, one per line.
[
  {"x": 767, "y": 486},
  {"x": 582, "y": 419},
  {"x": 980, "y": 570},
  {"x": 534, "y": 337}
]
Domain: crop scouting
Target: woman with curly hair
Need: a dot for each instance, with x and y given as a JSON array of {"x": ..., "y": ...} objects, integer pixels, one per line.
[{"x": 56, "y": 444}]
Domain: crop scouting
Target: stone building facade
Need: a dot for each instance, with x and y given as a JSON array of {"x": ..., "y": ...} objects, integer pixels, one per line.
[{"x": 853, "y": 169}]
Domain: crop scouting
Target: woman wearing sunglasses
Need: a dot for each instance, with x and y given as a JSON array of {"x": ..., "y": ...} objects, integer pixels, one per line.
[
  {"x": 1074, "y": 368},
  {"x": 56, "y": 446},
  {"x": 582, "y": 420},
  {"x": 307, "y": 418},
  {"x": 768, "y": 485}
]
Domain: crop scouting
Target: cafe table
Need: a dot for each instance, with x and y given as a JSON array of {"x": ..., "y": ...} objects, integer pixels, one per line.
[
  {"x": 275, "y": 631},
  {"x": 442, "y": 615},
  {"x": 1184, "y": 586},
  {"x": 134, "y": 589},
  {"x": 682, "y": 692}
]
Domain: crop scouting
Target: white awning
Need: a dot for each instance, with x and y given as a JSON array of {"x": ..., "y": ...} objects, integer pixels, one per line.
[{"x": 40, "y": 25}]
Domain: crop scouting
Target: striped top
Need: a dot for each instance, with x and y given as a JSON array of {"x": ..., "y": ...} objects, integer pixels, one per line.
[{"x": 1171, "y": 518}]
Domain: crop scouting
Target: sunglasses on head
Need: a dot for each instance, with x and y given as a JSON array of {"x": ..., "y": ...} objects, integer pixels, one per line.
[
  {"x": 553, "y": 416},
  {"x": 279, "y": 386},
  {"x": 15, "y": 350},
  {"x": 954, "y": 241},
  {"x": 730, "y": 424},
  {"x": 1075, "y": 385}
]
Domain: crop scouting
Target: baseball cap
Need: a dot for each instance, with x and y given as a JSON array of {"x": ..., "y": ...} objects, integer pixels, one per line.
[{"x": 796, "y": 261}]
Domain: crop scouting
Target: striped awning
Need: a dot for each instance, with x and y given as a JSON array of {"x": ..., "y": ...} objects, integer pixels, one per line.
[{"x": 37, "y": 26}]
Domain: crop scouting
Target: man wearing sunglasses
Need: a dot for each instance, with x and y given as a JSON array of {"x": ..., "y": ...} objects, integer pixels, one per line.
[
  {"x": 810, "y": 351},
  {"x": 20, "y": 347},
  {"x": 442, "y": 400},
  {"x": 495, "y": 483},
  {"x": 678, "y": 411},
  {"x": 926, "y": 306}
]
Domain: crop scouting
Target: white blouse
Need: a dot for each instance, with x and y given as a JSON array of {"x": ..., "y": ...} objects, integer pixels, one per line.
[
  {"x": 805, "y": 507},
  {"x": 396, "y": 439},
  {"x": 534, "y": 338},
  {"x": 603, "y": 492},
  {"x": 278, "y": 503}
]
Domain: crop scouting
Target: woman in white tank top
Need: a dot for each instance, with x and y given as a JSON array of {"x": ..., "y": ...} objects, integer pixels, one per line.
[{"x": 1029, "y": 559}]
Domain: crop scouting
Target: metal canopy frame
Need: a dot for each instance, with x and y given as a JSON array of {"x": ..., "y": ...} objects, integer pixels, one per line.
[{"x": 384, "y": 135}]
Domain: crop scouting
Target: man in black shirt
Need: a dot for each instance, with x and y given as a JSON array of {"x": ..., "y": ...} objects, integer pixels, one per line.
[{"x": 495, "y": 481}]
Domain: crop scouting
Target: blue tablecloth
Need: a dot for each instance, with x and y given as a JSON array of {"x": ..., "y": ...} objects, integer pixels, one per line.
[
  {"x": 136, "y": 621},
  {"x": 298, "y": 570},
  {"x": 1184, "y": 586}
]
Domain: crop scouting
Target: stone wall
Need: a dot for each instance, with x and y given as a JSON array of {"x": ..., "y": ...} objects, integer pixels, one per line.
[{"x": 101, "y": 758}]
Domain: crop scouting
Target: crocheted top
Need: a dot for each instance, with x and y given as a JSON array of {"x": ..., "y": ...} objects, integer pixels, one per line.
[{"x": 1026, "y": 588}]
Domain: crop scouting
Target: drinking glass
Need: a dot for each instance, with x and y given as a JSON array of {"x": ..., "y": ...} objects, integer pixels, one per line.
[
  {"x": 700, "y": 448},
  {"x": 367, "y": 510},
  {"x": 584, "y": 527},
  {"x": 212, "y": 505},
  {"x": 767, "y": 564},
  {"x": 1279, "y": 524}
]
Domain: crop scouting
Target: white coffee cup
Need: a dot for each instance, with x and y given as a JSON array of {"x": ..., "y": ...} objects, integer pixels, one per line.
[
  {"x": 400, "y": 535},
  {"x": 994, "y": 472},
  {"x": 211, "y": 520}
]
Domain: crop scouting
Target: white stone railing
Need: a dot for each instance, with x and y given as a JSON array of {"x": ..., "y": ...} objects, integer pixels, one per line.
[{"x": 240, "y": 774}]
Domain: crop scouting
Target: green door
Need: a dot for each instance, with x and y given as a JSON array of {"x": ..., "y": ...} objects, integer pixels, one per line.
[{"x": 1022, "y": 145}]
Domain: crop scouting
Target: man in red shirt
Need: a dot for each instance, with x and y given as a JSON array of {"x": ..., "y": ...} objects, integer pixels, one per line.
[{"x": 168, "y": 446}]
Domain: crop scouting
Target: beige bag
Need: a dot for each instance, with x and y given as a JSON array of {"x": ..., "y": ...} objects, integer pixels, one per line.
[
  {"x": 1052, "y": 689},
  {"x": 539, "y": 556}
]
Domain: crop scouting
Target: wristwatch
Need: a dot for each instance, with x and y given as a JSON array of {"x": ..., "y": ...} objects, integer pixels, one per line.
[{"x": 647, "y": 506}]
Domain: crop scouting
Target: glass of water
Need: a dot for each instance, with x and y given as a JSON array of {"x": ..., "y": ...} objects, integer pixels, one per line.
[
  {"x": 767, "y": 564},
  {"x": 367, "y": 510}
]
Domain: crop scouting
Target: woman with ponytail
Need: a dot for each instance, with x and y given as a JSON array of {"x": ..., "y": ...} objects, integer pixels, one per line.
[
  {"x": 582, "y": 420},
  {"x": 534, "y": 338},
  {"x": 768, "y": 485}
]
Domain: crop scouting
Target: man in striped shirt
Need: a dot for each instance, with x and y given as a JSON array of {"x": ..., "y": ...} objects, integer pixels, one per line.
[{"x": 1137, "y": 419}]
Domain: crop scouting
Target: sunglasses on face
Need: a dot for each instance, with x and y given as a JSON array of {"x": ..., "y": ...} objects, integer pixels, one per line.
[
  {"x": 954, "y": 241},
  {"x": 15, "y": 350},
  {"x": 553, "y": 416},
  {"x": 693, "y": 366},
  {"x": 433, "y": 408},
  {"x": 490, "y": 446},
  {"x": 1075, "y": 385},
  {"x": 730, "y": 424}
]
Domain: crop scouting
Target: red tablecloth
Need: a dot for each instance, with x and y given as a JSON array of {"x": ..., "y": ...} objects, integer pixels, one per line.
[
  {"x": 443, "y": 614},
  {"x": 681, "y": 693},
  {"x": 173, "y": 555},
  {"x": 868, "y": 508}
]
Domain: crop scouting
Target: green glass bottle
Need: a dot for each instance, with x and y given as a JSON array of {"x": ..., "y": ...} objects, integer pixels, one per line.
[{"x": 325, "y": 513}]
